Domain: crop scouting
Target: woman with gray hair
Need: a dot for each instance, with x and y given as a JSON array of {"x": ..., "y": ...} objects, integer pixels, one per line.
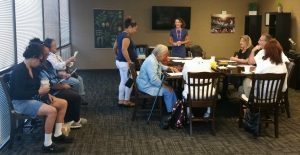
[{"x": 149, "y": 79}]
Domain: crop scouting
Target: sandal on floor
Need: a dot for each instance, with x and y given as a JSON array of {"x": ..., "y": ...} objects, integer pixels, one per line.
[
  {"x": 120, "y": 103},
  {"x": 128, "y": 104}
]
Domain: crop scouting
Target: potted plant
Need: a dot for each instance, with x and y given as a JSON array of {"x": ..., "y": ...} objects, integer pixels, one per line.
[{"x": 252, "y": 7}]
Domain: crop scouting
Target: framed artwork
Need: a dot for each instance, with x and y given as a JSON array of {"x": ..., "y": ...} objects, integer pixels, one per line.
[
  {"x": 107, "y": 24},
  {"x": 222, "y": 23}
]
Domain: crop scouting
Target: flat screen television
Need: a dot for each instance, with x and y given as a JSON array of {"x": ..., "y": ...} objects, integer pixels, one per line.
[{"x": 163, "y": 16}]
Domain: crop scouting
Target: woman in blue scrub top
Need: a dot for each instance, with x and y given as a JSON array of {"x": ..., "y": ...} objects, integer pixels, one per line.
[{"x": 179, "y": 38}]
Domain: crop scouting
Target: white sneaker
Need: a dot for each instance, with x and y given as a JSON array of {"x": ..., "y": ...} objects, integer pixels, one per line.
[
  {"x": 69, "y": 123},
  {"x": 75, "y": 125},
  {"x": 82, "y": 121},
  {"x": 206, "y": 115}
]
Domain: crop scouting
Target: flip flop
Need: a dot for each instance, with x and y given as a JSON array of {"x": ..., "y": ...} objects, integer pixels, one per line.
[{"x": 129, "y": 104}]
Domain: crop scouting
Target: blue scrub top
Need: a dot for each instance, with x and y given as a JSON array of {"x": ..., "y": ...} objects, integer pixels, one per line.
[{"x": 178, "y": 35}]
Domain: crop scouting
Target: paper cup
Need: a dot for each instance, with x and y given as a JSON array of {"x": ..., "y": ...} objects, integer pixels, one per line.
[{"x": 247, "y": 69}]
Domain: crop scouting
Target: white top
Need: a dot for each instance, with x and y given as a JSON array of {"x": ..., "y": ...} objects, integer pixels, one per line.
[
  {"x": 195, "y": 65},
  {"x": 57, "y": 62},
  {"x": 261, "y": 53}
]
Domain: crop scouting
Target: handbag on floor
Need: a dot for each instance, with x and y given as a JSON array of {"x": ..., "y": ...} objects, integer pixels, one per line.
[{"x": 252, "y": 122}]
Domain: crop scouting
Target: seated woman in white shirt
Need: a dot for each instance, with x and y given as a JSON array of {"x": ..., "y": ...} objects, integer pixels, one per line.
[
  {"x": 61, "y": 66},
  {"x": 196, "y": 65},
  {"x": 271, "y": 61}
]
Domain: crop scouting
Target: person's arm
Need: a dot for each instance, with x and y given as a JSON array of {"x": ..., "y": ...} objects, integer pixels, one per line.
[
  {"x": 115, "y": 48},
  {"x": 251, "y": 60},
  {"x": 61, "y": 86},
  {"x": 58, "y": 65},
  {"x": 186, "y": 40},
  {"x": 152, "y": 73},
  {"x": 171, "y": 41},
  {"x": 125, "y": 45}
]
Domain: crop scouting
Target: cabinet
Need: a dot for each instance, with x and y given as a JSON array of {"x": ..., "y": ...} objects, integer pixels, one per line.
[
  {"x": 253, "y": 27},
  {"x": 280, "y": 28}
]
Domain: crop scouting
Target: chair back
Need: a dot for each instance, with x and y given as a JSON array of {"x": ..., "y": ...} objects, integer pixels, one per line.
[
  {"x": 4, "y": 79},
  {"x": 202, "y": 88},
  {"x": 6, "y": 106},
  {"x": 266, "y": 89},
  {"x": 290, "y": 68}
]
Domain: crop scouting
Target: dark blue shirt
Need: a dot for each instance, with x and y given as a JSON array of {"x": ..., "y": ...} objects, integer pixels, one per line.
[
  {"x": 49, "y": 72},
  {"x": 178, "y": 35},
  {"x": 131, "y": 48}
]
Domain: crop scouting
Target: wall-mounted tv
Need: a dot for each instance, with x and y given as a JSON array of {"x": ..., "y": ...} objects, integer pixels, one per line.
[{"x": 163, "y": 16}]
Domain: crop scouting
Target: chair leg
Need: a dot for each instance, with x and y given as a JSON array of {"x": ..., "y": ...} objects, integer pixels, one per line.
[
  {"x": 191, "y": 129},
  {"x": 240, "y": 122},
  {"x": 287, "y": 105},
  {"x": 160, "y": 106},
  {"x": 213, "y": 122},
  {"x": 12, "y": 133},
  {"x": 276, "y": 126},
  {"x": 134, "y": 110}
]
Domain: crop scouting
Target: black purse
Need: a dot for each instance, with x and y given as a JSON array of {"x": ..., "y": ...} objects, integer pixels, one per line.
[{"x": 129, "y": 82}]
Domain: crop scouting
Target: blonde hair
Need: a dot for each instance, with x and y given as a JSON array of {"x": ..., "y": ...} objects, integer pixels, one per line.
[
  {"x": 160, "y": 49},
  {"x": 247, "y": 40}
]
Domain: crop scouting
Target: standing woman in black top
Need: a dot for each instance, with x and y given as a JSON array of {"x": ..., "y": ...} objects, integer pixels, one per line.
[
  {"x": 124, "y": 49},
  {"x": 27, "y": 88},
  {"x": 243, "y": 54}
]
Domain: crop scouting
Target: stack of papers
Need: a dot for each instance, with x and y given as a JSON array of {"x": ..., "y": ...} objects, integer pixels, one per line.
[{"x": 175, "y": 74}]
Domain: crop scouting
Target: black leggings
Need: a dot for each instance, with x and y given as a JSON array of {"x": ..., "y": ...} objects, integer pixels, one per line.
[{"x": 74, "y": 102}]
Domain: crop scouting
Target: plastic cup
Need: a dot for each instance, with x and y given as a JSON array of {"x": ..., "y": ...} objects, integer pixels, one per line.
[
  {"x": 247, "y": 69},
  {"x": 213, "y": 58}
]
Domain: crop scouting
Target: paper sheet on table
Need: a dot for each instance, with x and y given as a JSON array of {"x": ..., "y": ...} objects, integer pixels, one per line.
[
  {"x": 175, "y": 74},
  {"x": 222, "y": 67},
  {"x": 231, "y": 66},
  {"x": 181, "y": 61},
  {"x": 175, "y": 58}
]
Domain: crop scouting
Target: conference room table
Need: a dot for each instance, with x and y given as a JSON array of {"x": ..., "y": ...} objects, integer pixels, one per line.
[{"x": 230, "y": 72}]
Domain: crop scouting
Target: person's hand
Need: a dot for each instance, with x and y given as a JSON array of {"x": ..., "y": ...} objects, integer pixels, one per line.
[
  {"x": 51, "y": 98},
  {"x": 256, "y": 48},
  {"x": 67, "y": 76},
  {"x": 233, "y": 58},
  {"x": 72, "y": 59},
  {"x": 66, "y": 86},
  {"x": 179, "y": 43},
  {"x": 174, "y": 69},
  {"x": 129, "y": 63},
  {"x": 44, "y": 89}
]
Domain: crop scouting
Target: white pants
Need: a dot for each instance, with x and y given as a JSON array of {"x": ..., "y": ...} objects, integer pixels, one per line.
[{"x": 124, "y": 92}]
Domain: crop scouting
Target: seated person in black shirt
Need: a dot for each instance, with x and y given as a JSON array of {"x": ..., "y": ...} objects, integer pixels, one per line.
[
  {"x": 242, "y": 55},
  {"x": 26, "y": 90}
]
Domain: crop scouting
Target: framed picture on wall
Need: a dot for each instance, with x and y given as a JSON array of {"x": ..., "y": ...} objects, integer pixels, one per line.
[
  {"x": 222, "y": 23},
  {"x": 107, "y": 24}
]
